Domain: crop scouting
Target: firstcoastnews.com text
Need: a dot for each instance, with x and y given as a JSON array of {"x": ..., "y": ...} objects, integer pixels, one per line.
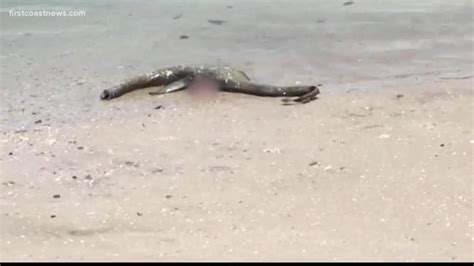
[{"x": 46, "y": 13}]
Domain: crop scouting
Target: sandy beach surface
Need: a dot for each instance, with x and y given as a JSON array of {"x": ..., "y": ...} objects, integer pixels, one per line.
[{"x": 379, "y": 168}]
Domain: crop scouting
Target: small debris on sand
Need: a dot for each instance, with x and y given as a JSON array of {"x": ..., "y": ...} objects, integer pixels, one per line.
[
  {"x": 157, "y": 170},
  {"x": 8, "y": 183},
  {"x": 272, "y": 150},
  {"x": 216, "y": 21}
]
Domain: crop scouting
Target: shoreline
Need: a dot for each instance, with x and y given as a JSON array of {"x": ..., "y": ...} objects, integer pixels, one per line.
[{"x": 140, "y": 101}]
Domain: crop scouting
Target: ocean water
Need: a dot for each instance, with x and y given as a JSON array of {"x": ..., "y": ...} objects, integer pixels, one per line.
[{"x": 366, "y": 41}]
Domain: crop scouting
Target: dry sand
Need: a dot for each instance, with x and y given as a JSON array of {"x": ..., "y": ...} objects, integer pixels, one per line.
[{"x": 379, "y": 168}]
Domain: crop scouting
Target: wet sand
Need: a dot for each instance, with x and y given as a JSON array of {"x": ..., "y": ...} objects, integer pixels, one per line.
[{"x": 379, "y": 168}]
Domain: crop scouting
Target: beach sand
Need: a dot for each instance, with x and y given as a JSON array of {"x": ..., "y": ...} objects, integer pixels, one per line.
[{"x": 379, "y": 168}]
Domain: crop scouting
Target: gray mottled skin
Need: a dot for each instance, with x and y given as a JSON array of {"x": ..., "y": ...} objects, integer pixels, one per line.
[{"x": 229, "y": 80}]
